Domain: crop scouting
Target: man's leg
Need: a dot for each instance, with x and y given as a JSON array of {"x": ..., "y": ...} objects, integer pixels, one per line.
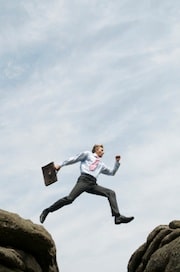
[
  {"x": 78, "y": 189},
  {"x": 111, "y": 196}
]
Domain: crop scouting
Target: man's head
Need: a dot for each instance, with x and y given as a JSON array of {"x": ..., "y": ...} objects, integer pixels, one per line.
[{"x": 98, "y": 149}]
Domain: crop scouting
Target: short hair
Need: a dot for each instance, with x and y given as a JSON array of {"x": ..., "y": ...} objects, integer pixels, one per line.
[{"x": 96, "y": 146}]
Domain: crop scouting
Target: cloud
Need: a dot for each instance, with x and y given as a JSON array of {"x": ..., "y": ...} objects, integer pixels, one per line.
[{"x": 75, "y": 74}]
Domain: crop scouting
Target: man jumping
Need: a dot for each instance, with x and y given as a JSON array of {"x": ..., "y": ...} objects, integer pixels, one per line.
[{"x": 91, "y": 166}]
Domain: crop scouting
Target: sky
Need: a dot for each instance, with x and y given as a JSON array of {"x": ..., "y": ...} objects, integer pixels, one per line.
[{"x": 76, "y": 73}]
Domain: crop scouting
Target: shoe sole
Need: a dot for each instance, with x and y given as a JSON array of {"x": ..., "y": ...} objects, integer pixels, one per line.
[{"x": 124, "y": 222}]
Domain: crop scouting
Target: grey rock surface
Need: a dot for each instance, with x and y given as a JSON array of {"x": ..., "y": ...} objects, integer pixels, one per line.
[
  {"x": 25, "y": 246},
  {"x": 160, "y": 252}
]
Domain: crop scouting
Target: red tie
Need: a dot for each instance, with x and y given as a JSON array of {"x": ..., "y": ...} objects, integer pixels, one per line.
[{"x": 93, "y": 165}]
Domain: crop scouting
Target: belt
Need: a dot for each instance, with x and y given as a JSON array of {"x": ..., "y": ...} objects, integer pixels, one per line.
[{"x": 89, "y": 176}]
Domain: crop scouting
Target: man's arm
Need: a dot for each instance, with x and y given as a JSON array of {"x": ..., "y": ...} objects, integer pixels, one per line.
[
  {"x": 80, "y": 157},
  {"x": 112, "y": 172}
]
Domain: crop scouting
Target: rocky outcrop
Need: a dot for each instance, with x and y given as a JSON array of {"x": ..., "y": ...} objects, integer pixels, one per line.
[
  {"x": 161, "y": 251},
  {"x": 25, "y": 246}
]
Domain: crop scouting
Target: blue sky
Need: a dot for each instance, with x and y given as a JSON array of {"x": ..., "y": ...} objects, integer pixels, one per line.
[{"x": 76, "y": 73}]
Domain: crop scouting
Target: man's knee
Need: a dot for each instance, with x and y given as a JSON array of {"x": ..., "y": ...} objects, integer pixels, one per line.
[
  {"x": 111, "y": 193},
  {"x": 69, "y": 199}
]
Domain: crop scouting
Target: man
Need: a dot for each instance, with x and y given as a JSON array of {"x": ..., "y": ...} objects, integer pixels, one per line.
[{"x": 90, "y": 167}]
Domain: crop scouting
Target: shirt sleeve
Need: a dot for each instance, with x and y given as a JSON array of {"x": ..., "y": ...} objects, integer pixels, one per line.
[
  {"x": 79, "y": 157},
  {"x": 110, "y": 172}
]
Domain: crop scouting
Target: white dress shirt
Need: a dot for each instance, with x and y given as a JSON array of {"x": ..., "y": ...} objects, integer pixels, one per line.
[{"x": 87, "y": 158}]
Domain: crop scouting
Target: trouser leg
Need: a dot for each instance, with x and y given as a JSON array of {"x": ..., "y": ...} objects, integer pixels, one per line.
[
  {"x": 111, "y": 196},
  {"x": 78, "y": 189}
]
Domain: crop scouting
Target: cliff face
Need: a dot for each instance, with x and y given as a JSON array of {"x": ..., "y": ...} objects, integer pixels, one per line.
[
  {"x": 25, "y": 246},
  {"x": 161, "y": 251}
]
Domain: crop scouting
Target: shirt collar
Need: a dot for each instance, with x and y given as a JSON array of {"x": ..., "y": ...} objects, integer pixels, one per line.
[{"x": 95, "y": 155}]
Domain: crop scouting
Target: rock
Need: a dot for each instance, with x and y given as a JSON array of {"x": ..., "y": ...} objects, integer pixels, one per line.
[
  {"x": 25, "y": 246},
  {"x": 161, "y": 251}
]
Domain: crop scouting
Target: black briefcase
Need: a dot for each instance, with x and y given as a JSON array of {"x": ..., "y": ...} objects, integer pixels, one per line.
[{"x": 49, "y": 173}]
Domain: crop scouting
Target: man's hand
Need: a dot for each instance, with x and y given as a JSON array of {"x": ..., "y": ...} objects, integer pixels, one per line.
[
  {"x": 118, "y": 157},
  {"x": 57, "y": 167}
]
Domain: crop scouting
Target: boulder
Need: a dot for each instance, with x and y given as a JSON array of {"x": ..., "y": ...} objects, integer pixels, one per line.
[
  {"x": 25, "y": 246},
  {"x": 160, "y": 252}
]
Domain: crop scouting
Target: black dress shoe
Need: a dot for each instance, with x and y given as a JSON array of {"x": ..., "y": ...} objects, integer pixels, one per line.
[
  {"x": 43, "y": 215},
  {"x": 123, "y": 219}
]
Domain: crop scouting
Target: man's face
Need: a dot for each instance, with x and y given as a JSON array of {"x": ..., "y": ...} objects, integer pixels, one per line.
[{"x": 100, "y": 151}]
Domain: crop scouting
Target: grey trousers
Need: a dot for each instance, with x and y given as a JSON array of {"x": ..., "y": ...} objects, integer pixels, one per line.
[{"x": 87, "y": 183}]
